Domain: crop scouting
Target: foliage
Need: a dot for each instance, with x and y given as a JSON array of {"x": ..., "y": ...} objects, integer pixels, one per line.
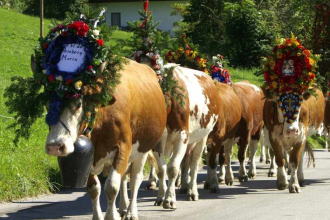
[
  {"x": 247, "y": 38},
  {"x": 146, "y": 37},
  {"x": 48, "y": 85},
  {"x": 205, "y": 24},
  {"x": 170, "y": 86}
]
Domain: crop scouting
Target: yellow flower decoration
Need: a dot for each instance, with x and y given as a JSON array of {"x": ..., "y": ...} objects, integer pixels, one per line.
[{"x": 78, "y": 85}]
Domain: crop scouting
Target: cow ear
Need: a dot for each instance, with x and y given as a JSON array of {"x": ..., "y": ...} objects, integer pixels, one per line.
[
  {"x": 306, "y": 95},
  {"x": 33, "y": 64},
  {"x": 112, "y": 101}
]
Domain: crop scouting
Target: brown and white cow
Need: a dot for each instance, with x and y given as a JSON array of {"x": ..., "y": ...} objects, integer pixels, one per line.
[
  {"x": 287, "y": 136},
  {"x": 123, "y": 134},
  {"x": 188, "y": 127},
  {"x": 242, "y": 123}
]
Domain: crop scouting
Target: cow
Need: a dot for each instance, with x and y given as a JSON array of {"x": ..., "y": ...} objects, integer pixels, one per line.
[
  {"x": 242, "y": 123},
  {"x": 188, "y": 126},
  {"x": 124, "y": 132},
  {"x": 327, "y": 123},
  {"x": 290, "y": 135}
]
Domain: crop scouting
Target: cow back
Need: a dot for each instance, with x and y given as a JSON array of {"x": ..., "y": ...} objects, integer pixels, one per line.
[{"x": 138, "y": 111}]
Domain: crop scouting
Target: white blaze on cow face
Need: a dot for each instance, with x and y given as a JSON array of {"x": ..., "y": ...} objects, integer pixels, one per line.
[
  {"x": 292, "y": 129},
  {"x": 62, "y": 136}
]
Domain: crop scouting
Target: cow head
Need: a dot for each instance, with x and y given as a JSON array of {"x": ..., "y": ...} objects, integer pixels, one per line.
[
  {"x": 289, "y": 106},
  {"x": 63, "y": 134}
]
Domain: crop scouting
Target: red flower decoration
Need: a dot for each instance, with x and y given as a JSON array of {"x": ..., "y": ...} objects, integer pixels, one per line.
[
  {"x": 80, "y": 27},
  {"x": 68, "y": 81},
  {"x": 146, "y": 5},
  {"x": 51, "y": 78},
  {"x": 100, "y": 42},
  {"x": 45, "y": 45},
  {"x": 90, "y": 67}
]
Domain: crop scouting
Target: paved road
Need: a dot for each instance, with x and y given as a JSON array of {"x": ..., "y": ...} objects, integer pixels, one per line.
[{"x": 256, "y": 199}]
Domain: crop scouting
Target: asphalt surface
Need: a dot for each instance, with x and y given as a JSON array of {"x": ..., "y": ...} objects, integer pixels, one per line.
[{"x": 256, "y": 199}]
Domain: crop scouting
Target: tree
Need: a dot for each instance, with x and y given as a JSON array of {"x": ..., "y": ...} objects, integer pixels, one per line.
[
  {"x": 206, "y": 24},
  {"x": 247, "y": 37}
]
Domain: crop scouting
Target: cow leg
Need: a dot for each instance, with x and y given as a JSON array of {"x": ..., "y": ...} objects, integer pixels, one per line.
[
  {"x": 295, "y": 160},
  {"x": 194, "y": 161},
  {"x": 162, "y": 180},
  {"x": 301, "y": 170},
  {"x": 124, "y": 201},
  {"x": 211, "y": 182},
  {"x": 253, "y": 149},
  {"x": 94, "y": 191},
  {"x": 282, "y": 181},
  {"x": 243, "y": 144},
  {"x": 267, "y": 152},
  {"x": 327, "y": 143},
  {"x": 272, "y": 167},
  {"x": 262, "y": 148},
  {"x": 135, "y": 182},
  {"x": 179, "y": 150},
  {"x": 112, "y": 186},
  {"x": 152, "y": 180},
  {"x": 222, "y": 171},
  {"x": 184, "y": 174},
  {"x": 229, "y": 177}
]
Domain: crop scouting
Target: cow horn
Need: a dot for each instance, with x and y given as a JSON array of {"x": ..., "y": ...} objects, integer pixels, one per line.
[{"x": 102, "y": 66}]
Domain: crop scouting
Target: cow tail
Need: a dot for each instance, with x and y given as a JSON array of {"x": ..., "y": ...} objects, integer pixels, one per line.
[{"x": 310, "y": 152}]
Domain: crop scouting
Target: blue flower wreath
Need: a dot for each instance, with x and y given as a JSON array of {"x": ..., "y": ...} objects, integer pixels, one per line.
[
  {"x": 52, "y": 58},
  {"x": 55, "y": 49}
]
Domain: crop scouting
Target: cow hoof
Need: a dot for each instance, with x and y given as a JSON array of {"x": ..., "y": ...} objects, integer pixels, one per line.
[
  {"x": 251, "y": 175},
  {"x": 152, "y": 185},
  {"x": 206, "y": 185},
  {"x": 158, "y": 202},
  {"x": 271, "y": 174},
  {"x": 221, "y": 180},
  {"x": 169, "y": 205},
  {"x": 193, "y": 197},
  {"x": 131, "y": 217},
  {"x": 301, "y": 183},
  {"x": 229, "y": 182},
  {"x": 112, "y": 216},
  {"x": 267, "y": 161},
  {"x": 282, "y": 186},
  {"x": 294, "y": 188},
  {"x": 243, "y": 178},
  {"x": 123, "y": 213}
]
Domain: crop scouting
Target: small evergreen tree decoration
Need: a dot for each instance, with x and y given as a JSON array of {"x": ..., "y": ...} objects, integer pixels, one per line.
[{"x": 146, "y": 39}]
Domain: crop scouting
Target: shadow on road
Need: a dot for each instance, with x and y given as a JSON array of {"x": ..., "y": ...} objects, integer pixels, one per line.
[{"x": 82, "y": 205}]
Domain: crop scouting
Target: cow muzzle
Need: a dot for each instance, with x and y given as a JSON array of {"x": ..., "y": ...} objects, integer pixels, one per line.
[
  {"x": 57, "y": 149},
  {"x": 291, "y": 132}
]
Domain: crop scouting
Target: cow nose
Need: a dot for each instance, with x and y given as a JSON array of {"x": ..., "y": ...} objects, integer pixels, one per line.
[
  {"x": 292, "y": 131},
  {"x": 55, "y": 149}
]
